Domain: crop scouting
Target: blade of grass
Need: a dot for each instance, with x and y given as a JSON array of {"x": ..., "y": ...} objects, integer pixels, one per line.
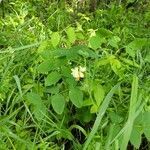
[
  {"x": 18, "y": 84},
  {"x": 12, "y": 50},
  {"x": 100, "y": 115},
  {"x": 21, "y": 94},
  {"x": 79, "y": 128},
  {"x": 132, "y": 109},
  {"x": 7, "y": 132},
  {"x": 124, "y": 128},
  {"x": 7, "y": 68},
  {"x": 134, "y": 93},
  {"x": 11, "y": 143},
  {"x": 6, "y": 118},
  {"x": 110, "y": 134}
]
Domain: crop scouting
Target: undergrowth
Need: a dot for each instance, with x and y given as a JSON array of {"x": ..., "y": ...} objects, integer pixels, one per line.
[{"x": 74, "y": 79}]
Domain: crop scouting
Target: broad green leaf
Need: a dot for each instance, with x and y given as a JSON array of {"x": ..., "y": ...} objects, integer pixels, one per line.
[
  {"x": 87, "y": 102},
  {"x": 135, "y": 138},
  {"x": 99, "y": 94},
  {"x": 116, "y": 66},
  {"x": 34, "y": 99},
  {"x": 52, "y": 78},
  {"x": 114, "y": 41},
  {"x": 80, "y": 36},
  {"x": 94, "y": 109},
  {"x": 60, "y": 62},
  {"x": 55, "y": 39},
  {"x": 45, "y": 66},
  {"x": 47, "y": 54},
  {"x": 71, "y": 34},
  {"x": 84, "y": 115},
  {"x": 95, "y": 42},
  {"x": 136, "y": 45},
  {"x": 71, "y": 82},
  {"x": 75, "y": 51},
  {"x": 66, "y": 71},
  {"x": 58, "y": 103},
  {"x": 43, "y": 46},
  {"x": 104, "y": 32},
  {"x": 83, "y": 53},
  {"x": 39, "y": 107},
  {"x": 76, "y": 97},
  {"x": 52, "y": 89},
  {"x": 115, "y": 118}
]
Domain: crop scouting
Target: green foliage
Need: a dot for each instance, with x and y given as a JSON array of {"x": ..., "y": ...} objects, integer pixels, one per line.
[
  {"x": 95, "y": 42},
  {"x": 99, "y": 93},
  {"x": 46, "y": 66},
  {"x": 74, "y": 79},
  {"x": 132, "y": 109},
  {"x": 71, "y": 34},
  {"x": 76, "y": 97},
  {"x": 52, "y": 78},
  {"x": 39, "y": 108},
  {"x": 58, "y": 103},
  {"x": 55, "y": 39},
  {"x": 135, "y": 46}
]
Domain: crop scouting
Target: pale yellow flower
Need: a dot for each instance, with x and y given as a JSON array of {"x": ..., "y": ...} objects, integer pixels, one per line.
[
  {"x": 78, "y": 72},
  {"x": 92, "y": 32},
  {"x": 82, "y": 69}
]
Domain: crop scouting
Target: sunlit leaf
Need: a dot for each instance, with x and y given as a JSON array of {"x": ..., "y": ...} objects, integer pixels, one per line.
[
  {"x": 55, "y": 39},
  {"x": 95, "y": 42},
  {"x": 94, "y": 109},
  {"x": 71, "y": 34},
  {"x": 99, "y": 93}
]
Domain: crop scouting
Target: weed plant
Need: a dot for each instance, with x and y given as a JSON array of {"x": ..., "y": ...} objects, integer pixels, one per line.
[{"x": 73, "y": 79}]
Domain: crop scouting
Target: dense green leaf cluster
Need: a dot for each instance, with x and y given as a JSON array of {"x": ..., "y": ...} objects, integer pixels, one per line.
[{"x": 74, "y": 75}]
